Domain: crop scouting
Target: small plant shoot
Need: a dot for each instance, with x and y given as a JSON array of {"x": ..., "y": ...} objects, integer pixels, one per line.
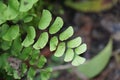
[{"x": 24, "y": 35}]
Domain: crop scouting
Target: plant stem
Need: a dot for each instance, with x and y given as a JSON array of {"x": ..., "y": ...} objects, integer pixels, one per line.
[{"x": 62, "y": 67}]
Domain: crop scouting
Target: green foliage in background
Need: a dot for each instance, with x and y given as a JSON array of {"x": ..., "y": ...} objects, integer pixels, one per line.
[
  {"x": 91, "y": 5},
  {"x": 24, "y": 34},
  {"x": 94, "y": 66}
]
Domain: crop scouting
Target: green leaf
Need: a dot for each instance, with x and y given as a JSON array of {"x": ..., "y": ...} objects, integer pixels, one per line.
[
  {"x": 42, "y": 41},
  {"x": 26, "y": 5},
  {"x": 74, "y": 43},
  {"x": 12, "y": 33},
  {"x": 31, "y": 73},
  {"x": 15, "y": 74},
  {"x": 45, "y": 20},
  {"x": 45, "y": 74},
  {"x": 30, "y": 37},
  {"x": 56, "y": 26},
  {"x": 78, "y": 60},
  {"x": 66, "y": 34},
  {"x": 94, "y": 66},
  {"x": 81, "y": 49},
  {"x": 16, "y": 47},
  {"x": 69, "y": 55},
  {"x": 34, "y": 56},
  {"x": 28, "y": 19},
  {"x": 3, "y": 60},
  {"x": 60, "y": 50},
  {"x": 53, "y": 43},
  {"x": 91, "y": 5},
  {"x": 3, "y": 7},
  {"x": 12, "y": 10},
  {"x": 23, "y": 69},
  {"x": 5, "y": 45},
  {"x": 3, "y": 29},
  {"x": 25, "y": 53},
  {"x": 42, "y": 60}
]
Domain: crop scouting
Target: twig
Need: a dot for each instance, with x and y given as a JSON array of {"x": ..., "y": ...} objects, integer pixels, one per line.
[
  {"x": 68, "y": 66},
  {"x": 62, "y": 67}
]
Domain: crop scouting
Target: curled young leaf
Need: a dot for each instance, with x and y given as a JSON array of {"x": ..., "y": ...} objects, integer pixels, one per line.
[
  {"x": 60, "y": 50},
  {"x": 66, "y": 34},
  {"x": 69, "y": 55},
  {"x": 56, "y": 26},
  {"x": 74, "y": 43},
  {"x": 45, "y": 20},
  {"x": 42, "y": 41},
  {"x": 53, "y": 43}
]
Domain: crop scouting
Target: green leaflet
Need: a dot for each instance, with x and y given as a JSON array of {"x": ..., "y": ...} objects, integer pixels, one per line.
[
  {"x": 66, "y": 34},
  {"x": 9, "y": 12},
  {"x": 12, "y": 33},
  {"x": 3, "y": 29},
  {"x": 78, "y": 60},
  {"x": 94, "y": 66},
  {"x": 45, "y": 20},
  {"x": 41, "y": 61},
  {"x": 53, "y": 43},
  {"x": 12, "y": 10},
  {"x": 26, "y": 5},
  {"x": 45, "y": 74},
  {"x": 30, "y": 37},
  {"x": 23, "y": 69},
  {"x": 31, "y": 73},
  {"x": 56, "y": 26},
  {"x": 25, "y": 53},
  {"x": 5, "y": 45},
  {"x": 81, "y": 49},
  {"x": 60, "y": 50},
  {"x": 74, "y": 43},
  {"x": 3, "y": 60},
  {"x": 15, "y": 74},
  {"x": 69, "y": 55},
  {"x": 3, "y": 7},
  {"x": 16, "y": 47},
  {"x": 34, "y": 56},
  {"x": 42, "y": 41},
  {"x": 28, "y": 19}
]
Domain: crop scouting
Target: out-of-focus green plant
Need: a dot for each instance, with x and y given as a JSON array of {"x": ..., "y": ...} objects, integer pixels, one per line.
[
  {"x": 91, "y": 5},
  {"x": 21, "y": 45},
  {"x": 94, "y": 66}
]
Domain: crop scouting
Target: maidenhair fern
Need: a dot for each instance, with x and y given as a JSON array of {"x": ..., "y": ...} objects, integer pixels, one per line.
[{"x": 20, "y": 45}]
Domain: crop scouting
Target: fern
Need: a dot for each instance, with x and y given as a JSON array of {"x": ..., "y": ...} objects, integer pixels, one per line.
[{"x": 20, "y": 56}]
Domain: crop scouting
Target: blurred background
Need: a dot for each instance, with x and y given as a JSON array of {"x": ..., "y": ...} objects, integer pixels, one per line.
[{"x": 96, "y": 21}]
